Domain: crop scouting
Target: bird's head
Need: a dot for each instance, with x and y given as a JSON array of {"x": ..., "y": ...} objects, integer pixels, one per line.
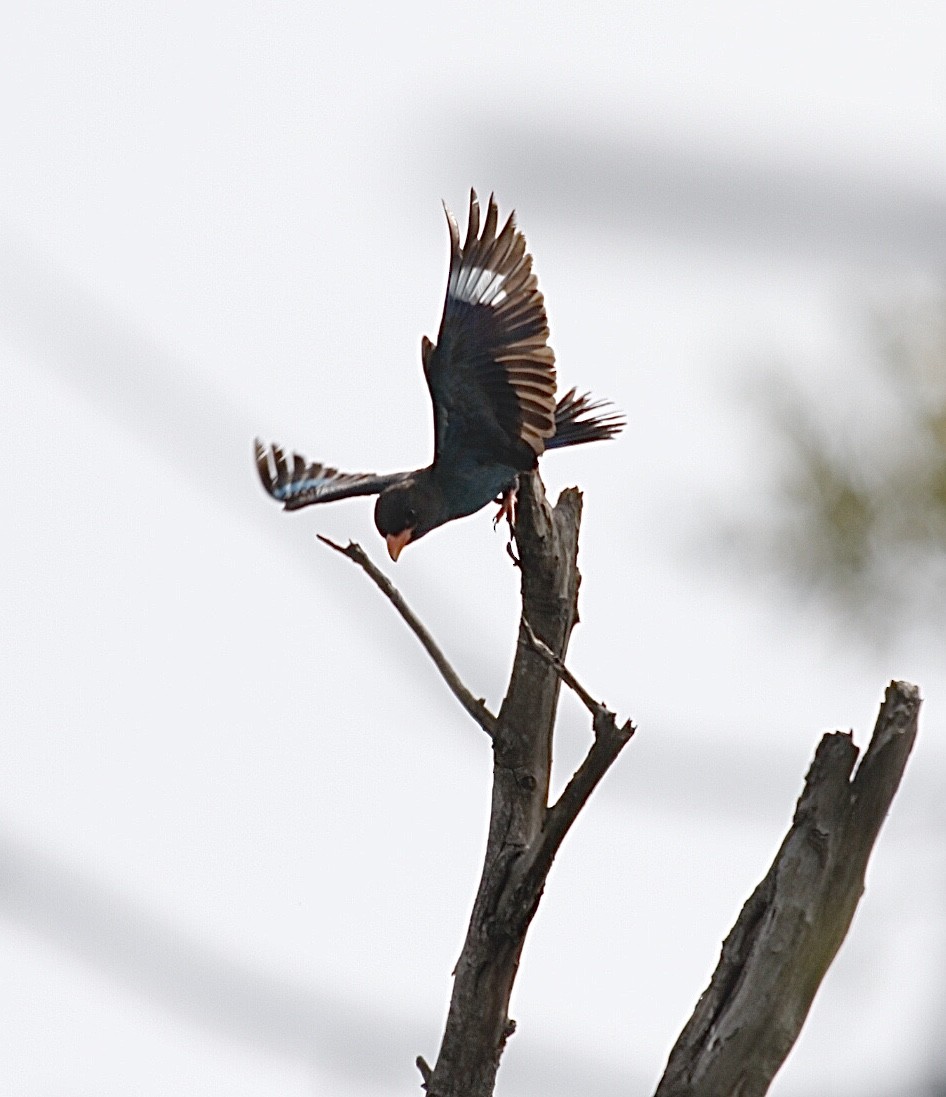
[{"x": 404, "y": 513}]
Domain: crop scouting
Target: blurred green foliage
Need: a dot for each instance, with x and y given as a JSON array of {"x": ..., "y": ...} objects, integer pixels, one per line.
[{"x": 858, "y": 490}]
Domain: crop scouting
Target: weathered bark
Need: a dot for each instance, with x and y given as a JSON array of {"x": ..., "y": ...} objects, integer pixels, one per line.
[
  {"x": 783, "y": 942},
  {"x": 789, "y": 931},
  {"x": 524, "y": 833}
]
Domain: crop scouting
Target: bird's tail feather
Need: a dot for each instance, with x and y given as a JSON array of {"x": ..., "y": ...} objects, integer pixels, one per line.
[{"x": 576, "y": 421}]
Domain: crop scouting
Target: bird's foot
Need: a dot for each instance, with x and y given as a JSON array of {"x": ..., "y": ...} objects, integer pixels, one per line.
[{"x": 507, "y": 510}]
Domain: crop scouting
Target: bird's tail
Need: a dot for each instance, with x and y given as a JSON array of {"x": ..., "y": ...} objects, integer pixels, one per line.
[{"x": 576, "y": 423}]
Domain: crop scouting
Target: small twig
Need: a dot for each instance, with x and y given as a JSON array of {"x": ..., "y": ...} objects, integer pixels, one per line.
[
  {"x": 608, "y": 743},
  {"x": 476, "y": 708},
  {"x": 593, "y": 706},
  {"x": 426, "y": 1071}
]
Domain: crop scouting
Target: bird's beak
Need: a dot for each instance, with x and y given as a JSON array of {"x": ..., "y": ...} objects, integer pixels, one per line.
[{"x": 397, "y": 541}]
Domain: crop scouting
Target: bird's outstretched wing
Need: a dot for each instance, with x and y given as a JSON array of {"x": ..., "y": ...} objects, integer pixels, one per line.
[
  {"x": 295, "y": 483},
  {"x": 492, "y": 372}
]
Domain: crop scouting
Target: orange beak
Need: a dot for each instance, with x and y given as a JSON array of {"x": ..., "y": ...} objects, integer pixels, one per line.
[{"x": 397, "y": 541}]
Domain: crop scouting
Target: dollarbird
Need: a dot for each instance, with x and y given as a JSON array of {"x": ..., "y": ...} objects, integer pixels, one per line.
[{"x": 491, "y": 376}]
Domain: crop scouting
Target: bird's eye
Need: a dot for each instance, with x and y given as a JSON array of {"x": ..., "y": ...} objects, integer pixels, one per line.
[{"x": 411, "y": 517}]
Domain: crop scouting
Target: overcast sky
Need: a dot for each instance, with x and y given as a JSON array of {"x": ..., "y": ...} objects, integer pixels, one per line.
[{"x": 241, "y": 819}]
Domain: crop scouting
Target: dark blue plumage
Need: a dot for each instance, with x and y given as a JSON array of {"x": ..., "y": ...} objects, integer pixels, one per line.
[{"x": 492, "y": 380}]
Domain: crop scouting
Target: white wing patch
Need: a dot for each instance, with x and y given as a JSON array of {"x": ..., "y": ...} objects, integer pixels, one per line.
[
  {"x": 477, "y": 285},
  {"x": 297, "y": 487}
]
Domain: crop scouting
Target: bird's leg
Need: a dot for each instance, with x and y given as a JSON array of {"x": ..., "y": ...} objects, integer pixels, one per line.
[{"x": 507, "y": 510}]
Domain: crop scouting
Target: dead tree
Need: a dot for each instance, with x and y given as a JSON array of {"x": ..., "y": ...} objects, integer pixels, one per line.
[{"x": 790, "y": 929}]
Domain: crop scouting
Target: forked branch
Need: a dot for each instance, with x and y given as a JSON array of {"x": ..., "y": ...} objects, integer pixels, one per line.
[
  {"x": 789, "y": 931},
  {"x": 524, "y": 833},
  {"x": 783, "y": 942}
]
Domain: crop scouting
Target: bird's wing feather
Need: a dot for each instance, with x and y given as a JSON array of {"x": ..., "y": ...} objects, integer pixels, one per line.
[
  {"x": 492, "y": 373},
  {"x": 296, "y": 483}
]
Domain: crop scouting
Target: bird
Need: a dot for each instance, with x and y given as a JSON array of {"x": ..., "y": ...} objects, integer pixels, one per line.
[{"x": 492, "y": 381}]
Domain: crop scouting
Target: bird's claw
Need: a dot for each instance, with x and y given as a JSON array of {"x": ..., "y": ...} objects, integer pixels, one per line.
[{"x": 507, "y": 510}]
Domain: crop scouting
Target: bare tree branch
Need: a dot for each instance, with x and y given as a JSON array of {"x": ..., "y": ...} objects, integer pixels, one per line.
[
  {"x": 593, "y": 706},
  {"x": 609, "y": 741},
  {"x": 789, "y": 931},
  {"x": 520, "y": 846},
  {"x": 524, "y": 833},
  {"x": 476, "y": 708}
]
